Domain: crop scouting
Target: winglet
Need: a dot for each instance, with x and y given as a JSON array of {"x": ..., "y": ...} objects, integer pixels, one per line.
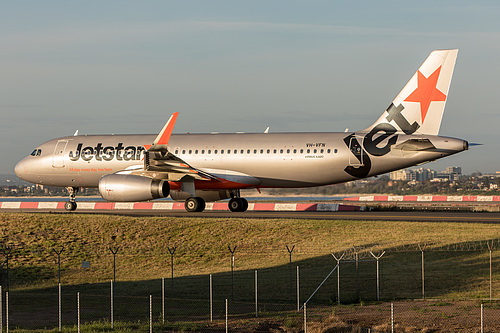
[{"x": 164, "y": 136}]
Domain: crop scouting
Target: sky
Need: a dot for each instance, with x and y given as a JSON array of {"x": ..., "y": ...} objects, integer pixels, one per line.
[{"x": 124, "y": 66}]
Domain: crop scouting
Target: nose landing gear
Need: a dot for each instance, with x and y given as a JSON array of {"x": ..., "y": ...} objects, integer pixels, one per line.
[{"x": 71, "y": 204}]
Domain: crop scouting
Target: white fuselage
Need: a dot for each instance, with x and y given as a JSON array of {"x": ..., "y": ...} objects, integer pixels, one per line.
[{"x": 274, "y": 159}]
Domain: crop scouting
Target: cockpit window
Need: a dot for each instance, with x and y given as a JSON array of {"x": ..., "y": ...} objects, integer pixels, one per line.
[{"x": 36, "y": 152}]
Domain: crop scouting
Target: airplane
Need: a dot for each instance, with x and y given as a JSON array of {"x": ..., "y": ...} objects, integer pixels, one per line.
[{"x": 196, "y": 168}]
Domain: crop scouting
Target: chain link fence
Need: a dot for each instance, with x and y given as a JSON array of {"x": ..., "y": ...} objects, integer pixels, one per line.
[{"x": 397, "y": 289}]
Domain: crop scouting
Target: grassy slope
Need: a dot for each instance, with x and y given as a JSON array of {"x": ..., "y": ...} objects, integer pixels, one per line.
[{"x": 202, "y": 246}]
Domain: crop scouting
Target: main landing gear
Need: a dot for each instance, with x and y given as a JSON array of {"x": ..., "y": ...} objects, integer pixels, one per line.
[
  {"x": 71, "y": 204},
  {"x": 197, "y": 204},
  {"x": 238, "y": 204},
  {"x": 194, "y": 204}
]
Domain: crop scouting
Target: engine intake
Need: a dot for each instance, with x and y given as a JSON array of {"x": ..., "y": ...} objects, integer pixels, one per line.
[{"x": 125, "y": 188}]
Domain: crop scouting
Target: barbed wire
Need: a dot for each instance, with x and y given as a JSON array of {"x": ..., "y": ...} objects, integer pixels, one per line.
[{"x": 359, "y": 252}]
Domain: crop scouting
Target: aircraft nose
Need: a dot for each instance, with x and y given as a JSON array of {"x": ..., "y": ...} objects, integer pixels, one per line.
[{"x": 21, "y": 169}]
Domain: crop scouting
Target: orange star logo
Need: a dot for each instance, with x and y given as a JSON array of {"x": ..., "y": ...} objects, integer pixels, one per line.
[{"x": 426, "y": 92}]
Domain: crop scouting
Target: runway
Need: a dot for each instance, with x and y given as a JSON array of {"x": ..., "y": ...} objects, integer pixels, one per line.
[{"x": 411, "y": 216}]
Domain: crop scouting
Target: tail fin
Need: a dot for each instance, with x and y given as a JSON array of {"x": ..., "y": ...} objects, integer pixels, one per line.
[{"x": 419, "y": 107}]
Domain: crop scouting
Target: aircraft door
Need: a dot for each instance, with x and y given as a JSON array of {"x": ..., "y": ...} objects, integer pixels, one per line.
[
  {"x": 58, "y": 156},
  {"x": 357, "y": 156}
]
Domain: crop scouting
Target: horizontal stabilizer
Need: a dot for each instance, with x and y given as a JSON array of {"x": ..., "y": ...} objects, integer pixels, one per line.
[{"x": 415, "y": 145}]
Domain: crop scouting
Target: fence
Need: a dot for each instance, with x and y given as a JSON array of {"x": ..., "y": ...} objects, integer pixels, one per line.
[{"x": 339, "y": 290}]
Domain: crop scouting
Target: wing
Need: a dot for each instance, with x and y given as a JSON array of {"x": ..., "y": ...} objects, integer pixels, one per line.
[{"x": 160, "y": 163}]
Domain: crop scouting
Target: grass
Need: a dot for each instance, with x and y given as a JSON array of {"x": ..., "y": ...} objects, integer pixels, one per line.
[{"x": 202, "y": 249}]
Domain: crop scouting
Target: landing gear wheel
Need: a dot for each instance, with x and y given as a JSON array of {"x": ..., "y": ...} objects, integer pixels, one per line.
[
  {"x": 70, "y": 206},
  {"x": 194, "y": 204},
  {"x": 238, "y": 205},
  {"x": 245, "y": 204}
]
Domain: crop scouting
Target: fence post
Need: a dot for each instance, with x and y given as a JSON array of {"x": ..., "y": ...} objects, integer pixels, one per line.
[
  {"x": 290, "y": 250},
  {"x": 60, "y": 319},
  {"x": 298, "y": 290},
  {"x": 211, "y": 300},
  {"x": 7, "y": 250},
  {"x": 163, "y": 300},
  {"x": 7, "y": 312},
  {"x": 392, "y": 317},
  {"x": 232, "y": 270},
  {"x": 227, "y": 328},
  {"x": 422, "y": 249},
  {"x": 78, "y": 309},
  {"x": 256, "y": 306},
  {"x": 112, "y": 306},
  {"x": 305, "y": 317},
  {"x": 490, "y": 247},
  {"x": 58, "y": 252},
  {"x": 482, "y": 319},
  {"x": 356, "y": 252},
  {"x": 338, "y": 275},
  {"x": 171, "y": 250},
  {"x": 114, "y": 251},
  {"x": 1, "y": 310},
  {"x": 378, "y": 275},
  {"x": 150, "y": 313}
]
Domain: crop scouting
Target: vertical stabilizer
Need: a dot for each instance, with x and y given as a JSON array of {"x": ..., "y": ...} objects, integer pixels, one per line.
[{"x": 418, "y": 108}]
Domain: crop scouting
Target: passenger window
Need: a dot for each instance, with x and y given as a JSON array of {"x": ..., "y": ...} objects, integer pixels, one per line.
[
  {"x": 269, "y": 151},
  {"x": 274, "y": 151},
  {"x": 229, "y": 151},
  {"x": 222, "y": 151},
  {"x": 215, "y": 151},
  {"x": 288, "y": 151},
  {"x": 190, "y": 151},
  {"x": 248, "y": 151},
  {"x": 321, "y": 151},
  {"x": 309, "y": 151},
  {"x": 242, "y": 151},
  {"x": 209, "y": 151},
  {"x": 328, "y": 151},
  {"x": 34, "y": 152},
  {"x": 183, "y": 151},
  {"x": 295, "y": 151},
  {"x": 281, "y": 151},
  {"x": 335, "y": 150},
  {"x": 262, "y": 151},
  {"x": 236, "y": 151},
  {"x": 255, "y": 151},
  {"x": 315, "y": 151},
  {"x": 196, "y": 151},
  {"x": 38, "y": 152},
  {"x": 177, "y": 152},
  {"x": 203, "y": 151}
]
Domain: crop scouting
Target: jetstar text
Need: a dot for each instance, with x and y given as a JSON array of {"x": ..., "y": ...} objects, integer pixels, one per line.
[{"x": 107, "y": 153}]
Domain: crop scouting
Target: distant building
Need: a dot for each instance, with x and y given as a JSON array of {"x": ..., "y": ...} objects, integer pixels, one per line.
[
  {"x": 453, "y": 173},
  {"x": 422, "y": 175},
  {"x": 405, "y": 174}
]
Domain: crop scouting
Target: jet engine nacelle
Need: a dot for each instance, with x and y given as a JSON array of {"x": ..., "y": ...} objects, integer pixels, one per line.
[
  {"x": 117, "y": 187},
  {"x": 208, "y": 196}
]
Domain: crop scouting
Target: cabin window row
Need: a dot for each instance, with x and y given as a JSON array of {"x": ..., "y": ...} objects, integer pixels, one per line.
[{"x": 254, "y": 151}]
